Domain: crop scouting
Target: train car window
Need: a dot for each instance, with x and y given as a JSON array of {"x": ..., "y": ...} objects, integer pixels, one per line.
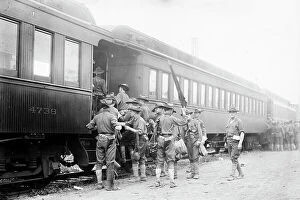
[
  {"x": 263, "y": 108},
  {"x": 195, "y": 93},
  {"x": 254, "y": 106},
  {"x": 258, "y": 108},
  {"x": 233, "y": 100},
  {"x": 175, "y": 97},
  {"x": 71, "y": 63},
  {"x": 238, "y": 101},
  {"x": 152, "y": 83},
  {"x": 186, "y": 89},
  {"x": 8, "y": 46},
  {"x": 202, "y": 94},
  {"x": 210, "y": 97},
  {"x": 228, "y": 101},
  {"x": 250, "y": 106},
  {"x": 42, "y": 53},
  {"x": 246, "y": 105},
  {"x": 242, "y": 103},
  {"x": 223, "y": 106},
  {"x": 165, "y": 86},
  {"x": 217, "y": 98}
]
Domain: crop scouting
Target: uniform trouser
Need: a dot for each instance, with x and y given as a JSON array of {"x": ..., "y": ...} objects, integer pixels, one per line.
[
  {"x": 165, "y": 152},
  {"x": 193, "y": 152},
  {"x": 127, "y": 141},
  {"x": 279, "y": 143},
  {"x": 233, "y": 150},
  {"x": 272, "y": 142},
  {"x": 141, "y": 149},
  {"x": 290, "y": 140},
  {"x": 297, "y": 140},
  {"x": 106, "y": 154}
]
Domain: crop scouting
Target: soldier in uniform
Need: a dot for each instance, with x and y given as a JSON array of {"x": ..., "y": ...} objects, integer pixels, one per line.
[
  {"x": 145, "y": 109},
  {"x": 140, "y": 131},
  {"x": 297, "y": 134},
  {"x": 273, "y": 136},
  {"x": 290, "y": 136},
  {"x": 122, "y": 97},
  {"x": 128, "y": 139},
  {"x": 234, "y": 140},
  {"x": 165, "y": 140},
  {"x": 106, "y": 123},
  {"x": 268, "y": 132},
  {"x": 279, "y": 132},
  {"x": 99, "y": 89},
  {"x": 193, "y": 138}
]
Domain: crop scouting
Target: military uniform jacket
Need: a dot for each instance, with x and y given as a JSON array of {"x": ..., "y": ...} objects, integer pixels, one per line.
[
  {"x": 105, "y": 122},
  {"x": 234, "y": 127},
  {"x": 138, "y": 123},
  {"x": 168, "y": 122},
  {"x": 121, "y": 99},
  {"x": 194, "y": 130},
  {"x": 99, "y": 86},
  {"x": 203, "y": 129}
]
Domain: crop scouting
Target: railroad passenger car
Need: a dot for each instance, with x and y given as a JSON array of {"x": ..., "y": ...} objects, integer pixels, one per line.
[
  {"x": 142, "y": 62},
  {"x": 46, "y": 49}
]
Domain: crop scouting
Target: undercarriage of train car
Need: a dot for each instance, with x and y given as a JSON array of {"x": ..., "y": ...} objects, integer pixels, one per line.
[{"x": 36, "y": 156}]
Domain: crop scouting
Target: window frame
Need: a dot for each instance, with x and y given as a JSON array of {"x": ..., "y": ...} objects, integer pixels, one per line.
[
  {"x": 195, "y": 96},
  {"x": 12, "y": 72},
  {"x": 203, "y": 95},
  {"x": 156, "y": 79},
  {"x": 162, "y": 86},
  {"x": 38, "y": 77},
  {"x": 70, "y": 83}
]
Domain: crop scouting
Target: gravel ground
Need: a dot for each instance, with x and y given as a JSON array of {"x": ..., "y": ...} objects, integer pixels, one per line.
[{"x": 268, "y": 175}]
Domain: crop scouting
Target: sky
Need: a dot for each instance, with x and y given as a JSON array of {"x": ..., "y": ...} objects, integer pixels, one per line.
[{"x": 258, "y": 40}]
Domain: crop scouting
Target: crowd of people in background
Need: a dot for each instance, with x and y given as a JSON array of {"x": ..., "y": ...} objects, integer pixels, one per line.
[{"x": 283, "y": 135}]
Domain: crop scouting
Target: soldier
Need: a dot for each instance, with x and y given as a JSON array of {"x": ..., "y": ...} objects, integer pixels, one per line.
[
  {"x": 99, "y": 88},
  {"x": 145, "y": 109},
  {"x": 165, "y": 140},
  {"x": 279, "y": 137},
  {"x": 234, "y": 140},
  {"x": 140, "y": 130},
  {"x": 268, "y": 132},
  {"x": 106, "y": 123},
  {"x": 122, "y": 97},
  {"x": 290, "y": 136},
  {"x": 193, "y": 138},
  {"x": 128, "y": 139},
  {"x": 273, "y": 136},
  {"x": 297, "y": 134}
]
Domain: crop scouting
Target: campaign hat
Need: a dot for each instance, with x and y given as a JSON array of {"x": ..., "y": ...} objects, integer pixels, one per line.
[
  {"x": 233, "y": 110},
  {"x": 98, "y": 70},
  {"x": 135, "y": 108},
  {"x": 133, "y": 101},
  {"x": 198, "y": 110},
  {"x": 124, "y": 86},
  {"x": 188, "y": 112},
  {"x": 159, "y": 105},
  {"x": 144, "y": 98},
  {"x": 108, "y": 100}
]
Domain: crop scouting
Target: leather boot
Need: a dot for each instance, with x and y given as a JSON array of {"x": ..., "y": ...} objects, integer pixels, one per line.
[
  {"x": 175, "y": 170},
  {"x": 123, "y": 154},
  {"x": 196, "y": 171},
  {"x": 158, "y": 173},
  {"x": 192, "y": 171},
  {"x": 241, "y": 174},
  {"x": 99, "y": 179},
  {"x": 143, "y": 172},
  {"x": 232, "y": 175},
  {"x": 110, "y": 178},
  {"x": 171, "y": 176},
  {"x": 135, "y": 169}
]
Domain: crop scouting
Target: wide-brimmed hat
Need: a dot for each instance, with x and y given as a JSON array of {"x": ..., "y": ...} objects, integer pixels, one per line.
[
  {"x": 133, "y": 101},
  {"x": 124, "y": 86},
  {"x": 98, "y": 70},
  {"x": 135, "y": 108},
  {"x": 198, "y": 110},
  {"x": 233, "y": 110},
  {"x": 108, "y": 100},
  {"x": 144, "y": 98},
  {"x": 158, "y": 105},
  {"x": 188, "y": 112}
]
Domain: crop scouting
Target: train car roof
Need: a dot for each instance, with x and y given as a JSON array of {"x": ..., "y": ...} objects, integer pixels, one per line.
[
  {"x": 70, "y": 7},
  {"x": 131, "y": 35}
]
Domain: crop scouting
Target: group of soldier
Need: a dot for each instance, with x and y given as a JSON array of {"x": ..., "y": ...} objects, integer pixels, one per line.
[
  {"x": 283, "y": 135},
  {"x": 131, "y": 122}
]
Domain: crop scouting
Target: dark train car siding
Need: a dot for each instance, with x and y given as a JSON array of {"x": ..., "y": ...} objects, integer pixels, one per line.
[{"x": 22, "y": 90}]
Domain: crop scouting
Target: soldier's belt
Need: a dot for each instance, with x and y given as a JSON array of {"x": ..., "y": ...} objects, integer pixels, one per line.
[{"x": 166, "y": 134}]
